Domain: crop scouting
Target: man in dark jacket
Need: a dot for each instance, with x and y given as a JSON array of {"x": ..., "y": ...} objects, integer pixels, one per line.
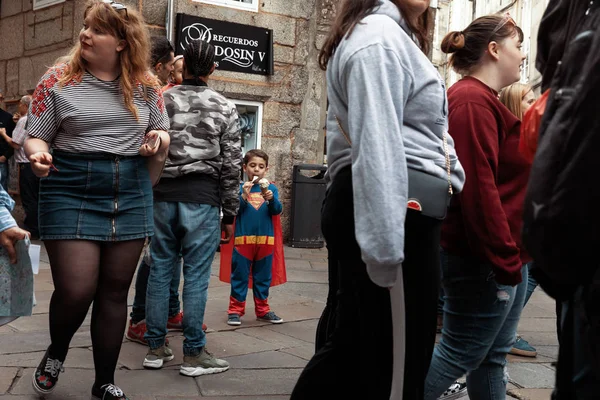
[
  {"x": 561, "y": 205},
  {"x": 7, "y": 125}
]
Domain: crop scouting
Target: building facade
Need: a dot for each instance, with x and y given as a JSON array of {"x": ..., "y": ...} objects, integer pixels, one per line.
[
  {"x": 283, "y": 105},
  {"x": 455, "y": 15},
  {"x": 277, "y": 84}
]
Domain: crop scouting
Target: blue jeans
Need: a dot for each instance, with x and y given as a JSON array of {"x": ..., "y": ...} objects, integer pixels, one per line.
[
  {"x": 480, "y": 325},
  {"x": 195, "y": 230},
  {"x": 531, "y": 283},
  {"x": 138, "y": 311}
]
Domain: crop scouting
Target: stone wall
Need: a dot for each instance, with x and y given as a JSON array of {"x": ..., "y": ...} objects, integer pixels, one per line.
[{"x": 294, "y": 97}]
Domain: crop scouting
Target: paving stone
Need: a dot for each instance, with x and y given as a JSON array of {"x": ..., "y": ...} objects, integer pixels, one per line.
[
  {"x": 233, "y": 343},
  {"x": 537, "y": 339},
  {"x": 537, "y": 325},
  {"x": 531, "y": 375},
  {"x": 7, "y": 375},
  {"x": 76, "y": 383},
  {"x": 238, "y": 382},
  {"x": 298, "y": 264},
  {"x": 275, "y": 338},
  {"x": 266, "y": 360},
  {"x": 319, "y": 265},
  {"x": 305, "y": 351},
  {"x": 548, "y": 351},
  {"x": 36, "y": 322},
  {"x": 77, "y": 358},
  {"x": 132, "y": 355},
  {"x": 307, "y": 276},
  {"x": 304, "y": 330},
  {"x": 42, "y": 298},
  {"x": 37, "y": 341},
  {"x": 531, "y": 394},
  {"x": 222, "y": 398},
  {"x": 301, "y": 312},
  {"x": 540, "y": 359},
  {"x": 537, "y": 311},
  {"x": 314, "y": 257},
  {"x": 6, "y": 329},
  {"x": 305, "y": 291}
]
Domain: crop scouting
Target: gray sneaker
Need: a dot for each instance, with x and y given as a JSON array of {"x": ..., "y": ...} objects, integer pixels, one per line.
[
  {"x": 155, "y": 358},
  {"x": 270, "y": 317},
  {"x": 202, "y": 364}
]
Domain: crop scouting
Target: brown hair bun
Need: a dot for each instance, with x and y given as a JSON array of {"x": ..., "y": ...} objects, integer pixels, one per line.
[{"x": 453, "y": 42}]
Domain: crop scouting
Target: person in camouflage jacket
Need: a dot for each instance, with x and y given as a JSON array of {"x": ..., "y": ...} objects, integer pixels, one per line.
[
  {"x": 205, "y": 139},
  {"x": 201, "y": 177}
]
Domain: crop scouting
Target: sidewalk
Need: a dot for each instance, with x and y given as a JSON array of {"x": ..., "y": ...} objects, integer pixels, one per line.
[{"x": 265, "y": 359}]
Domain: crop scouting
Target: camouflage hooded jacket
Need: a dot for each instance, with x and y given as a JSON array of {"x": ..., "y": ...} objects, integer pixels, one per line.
[{"x": 205, "y": 139}]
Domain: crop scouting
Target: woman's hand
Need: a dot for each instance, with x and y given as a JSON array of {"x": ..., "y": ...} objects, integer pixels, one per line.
[
  {"x": 9, "y": 237},
  {"x": 153, "y": 141},
  {"x": 41, "y": 162}
]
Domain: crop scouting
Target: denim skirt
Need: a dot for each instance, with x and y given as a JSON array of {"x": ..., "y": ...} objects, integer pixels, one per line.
[{"x": 96, "y": 196}]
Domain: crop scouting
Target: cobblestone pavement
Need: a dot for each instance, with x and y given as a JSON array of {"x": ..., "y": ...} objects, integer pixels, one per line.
[{"x": 265, "y": 359}]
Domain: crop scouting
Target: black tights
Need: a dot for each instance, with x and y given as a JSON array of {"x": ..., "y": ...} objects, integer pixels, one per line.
[{"x": 84, "y": 272}]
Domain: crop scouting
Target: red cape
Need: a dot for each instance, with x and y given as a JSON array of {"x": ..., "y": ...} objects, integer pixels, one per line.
[{"x": 278, "y": 274}]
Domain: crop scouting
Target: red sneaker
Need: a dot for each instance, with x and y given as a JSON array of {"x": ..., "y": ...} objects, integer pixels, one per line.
[
  {"x": 135, "y": 332},
  {"x": 175, "y": 323}
]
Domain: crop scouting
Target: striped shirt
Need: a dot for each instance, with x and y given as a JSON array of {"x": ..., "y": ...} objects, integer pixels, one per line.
[
  {"x": 90, "y": 115},
  {"x": 19, "y": 136}
]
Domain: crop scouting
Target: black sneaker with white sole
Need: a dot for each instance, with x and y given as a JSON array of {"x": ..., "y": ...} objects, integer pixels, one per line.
[
  {"x": 270, "y": 317},
  {"x": 46, "y": 374},
  {"x": 108, "y": 392},
  {"x": 455, "y": 391}
]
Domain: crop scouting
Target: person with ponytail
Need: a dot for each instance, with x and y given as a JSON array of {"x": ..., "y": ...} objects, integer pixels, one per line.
[
  {"x": 97, "y": 129},
  {"x": 386, "y": 123},
  {"x": 201, "y": 178},
  {"x": 482, "y": 256}
]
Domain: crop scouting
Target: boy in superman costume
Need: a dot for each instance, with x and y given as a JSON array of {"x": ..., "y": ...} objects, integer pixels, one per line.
[{"x": 257, "y": 253}]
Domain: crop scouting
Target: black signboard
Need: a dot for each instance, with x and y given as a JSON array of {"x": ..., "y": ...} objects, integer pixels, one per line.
[{"x": 238, "y": 48}]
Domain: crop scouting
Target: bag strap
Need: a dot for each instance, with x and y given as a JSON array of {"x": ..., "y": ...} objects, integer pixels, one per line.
[{"x": 446, "y": 152}]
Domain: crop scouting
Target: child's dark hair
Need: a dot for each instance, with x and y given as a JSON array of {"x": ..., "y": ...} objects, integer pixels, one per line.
[
  {"x": 467, "y": 47},
  {"x": 256, "y": 153},
  {"x": 199, "y": 58},
  {"x": 161, "y": 50}
]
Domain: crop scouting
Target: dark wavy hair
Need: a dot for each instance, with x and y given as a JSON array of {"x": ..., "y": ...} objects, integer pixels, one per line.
[
  {"x": 351, "y": 12},
  {"x": 161, "y": 50}
]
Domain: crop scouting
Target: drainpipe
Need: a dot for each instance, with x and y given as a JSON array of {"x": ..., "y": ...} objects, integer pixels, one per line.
[{"x": 169, "y": 22}]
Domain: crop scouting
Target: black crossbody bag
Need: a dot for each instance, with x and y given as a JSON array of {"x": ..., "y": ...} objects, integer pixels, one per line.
[{"x": 428, "y": 194}]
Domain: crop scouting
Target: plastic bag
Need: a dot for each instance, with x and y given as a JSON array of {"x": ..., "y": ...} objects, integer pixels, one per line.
[
  {"x": 530, "y": 127},
  {"x": 16, "y": 282}
]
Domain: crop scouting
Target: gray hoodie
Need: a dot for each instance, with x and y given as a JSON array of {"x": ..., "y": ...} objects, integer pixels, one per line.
[{"x": 392, "y": 102}]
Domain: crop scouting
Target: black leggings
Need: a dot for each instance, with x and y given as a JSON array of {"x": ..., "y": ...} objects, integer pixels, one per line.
[
  {"x": 354, "y": 335},
  {"x": 84, "y": 272}
]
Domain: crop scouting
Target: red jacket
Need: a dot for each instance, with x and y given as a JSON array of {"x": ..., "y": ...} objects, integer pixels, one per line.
[{"x": 485, "y": 219}]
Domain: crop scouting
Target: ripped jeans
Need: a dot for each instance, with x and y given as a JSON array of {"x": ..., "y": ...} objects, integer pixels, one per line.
[{"x": 480, "y": 325}]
